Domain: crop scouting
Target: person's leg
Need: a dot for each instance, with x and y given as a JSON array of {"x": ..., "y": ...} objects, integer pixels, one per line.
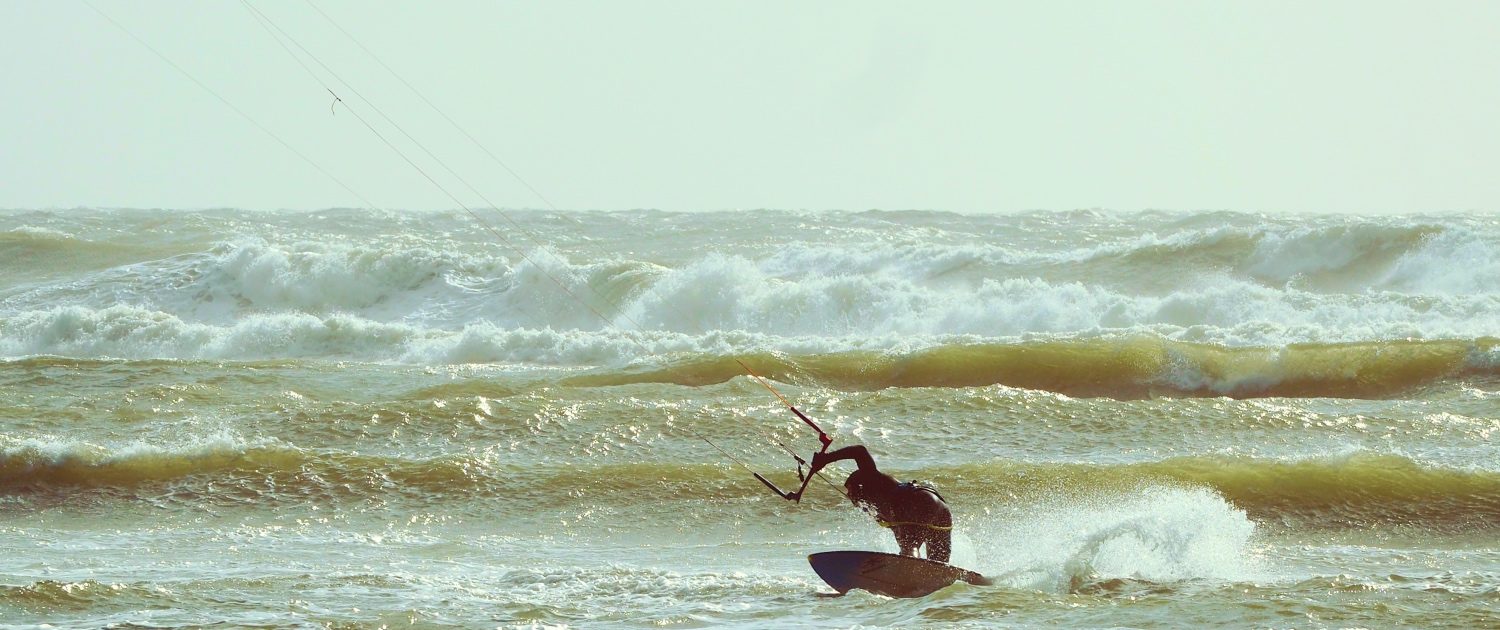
[
  {"x": 939, "y": 544},
  {"x": 908, "y": 539}
]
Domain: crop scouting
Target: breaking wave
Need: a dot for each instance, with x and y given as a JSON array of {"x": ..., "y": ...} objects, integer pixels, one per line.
[
  {"x": 1229, "y": 280},
  {"x": 1151, "y": 534},
  {"x": 1131, "y": 366}
]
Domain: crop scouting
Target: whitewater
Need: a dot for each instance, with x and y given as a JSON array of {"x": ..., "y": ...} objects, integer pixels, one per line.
[{"x": 354, "y": 417}]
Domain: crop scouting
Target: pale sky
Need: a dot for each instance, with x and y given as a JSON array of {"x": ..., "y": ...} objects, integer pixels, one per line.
[{"x": 967, "y": 106}]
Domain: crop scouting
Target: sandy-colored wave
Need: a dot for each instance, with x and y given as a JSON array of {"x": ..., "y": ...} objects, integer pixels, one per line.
[
  {"x": 1134, "y": 367},
  {"x": 1356, "y": 490}
]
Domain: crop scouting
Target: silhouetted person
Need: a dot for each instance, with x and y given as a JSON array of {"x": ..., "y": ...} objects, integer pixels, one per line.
[{"x": 916, "y": 514}]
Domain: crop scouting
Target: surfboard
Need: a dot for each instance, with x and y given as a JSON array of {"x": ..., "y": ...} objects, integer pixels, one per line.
[{"x": 888, "y": 574}]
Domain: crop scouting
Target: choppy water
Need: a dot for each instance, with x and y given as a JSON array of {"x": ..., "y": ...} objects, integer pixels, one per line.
[{"x": 352, "y": 418}]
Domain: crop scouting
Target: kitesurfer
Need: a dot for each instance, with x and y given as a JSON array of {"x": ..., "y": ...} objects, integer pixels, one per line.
[{"x": 915, "y": 513}]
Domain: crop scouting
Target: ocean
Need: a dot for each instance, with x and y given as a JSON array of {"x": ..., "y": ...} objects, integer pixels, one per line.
[{"x": 365, "y": 418}]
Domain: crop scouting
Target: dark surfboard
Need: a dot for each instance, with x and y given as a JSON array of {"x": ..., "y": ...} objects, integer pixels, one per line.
[{"x": 888, "y": 574}]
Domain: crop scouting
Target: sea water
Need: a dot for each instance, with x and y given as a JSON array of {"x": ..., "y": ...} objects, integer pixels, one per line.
[{"x": 360, "y": 418}]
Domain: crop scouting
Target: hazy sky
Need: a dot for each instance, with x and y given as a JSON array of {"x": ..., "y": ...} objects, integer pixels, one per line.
[{"x": 973, "y": 106}]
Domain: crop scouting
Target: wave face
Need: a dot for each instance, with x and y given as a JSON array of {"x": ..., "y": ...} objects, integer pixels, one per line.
[
  {"x": 1355, "y": 491},
  {"x": 1131, "y": 367}
]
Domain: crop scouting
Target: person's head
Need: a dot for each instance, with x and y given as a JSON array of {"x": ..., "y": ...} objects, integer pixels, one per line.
[{"x": 864, "y": 485}]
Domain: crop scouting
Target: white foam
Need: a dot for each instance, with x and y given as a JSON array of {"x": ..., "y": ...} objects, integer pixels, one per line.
[
  {"x": 43, "y": 233},
  {"x": 1155, "y": 534},
  {"x": 48, "y": 451},
  {"x": 746, "y": 321},
  {"x": 418, "y": 297}
]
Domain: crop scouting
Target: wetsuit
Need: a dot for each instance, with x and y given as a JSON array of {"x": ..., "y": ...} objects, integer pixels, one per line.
[{"x": 915, "y": 513}]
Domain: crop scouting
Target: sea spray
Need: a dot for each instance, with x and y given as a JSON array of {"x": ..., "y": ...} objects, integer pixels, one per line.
[{"x": 1153, "y": 534}]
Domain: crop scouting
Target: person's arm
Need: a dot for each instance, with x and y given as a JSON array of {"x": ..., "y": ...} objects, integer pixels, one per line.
[{"x": 858, "y": 453}]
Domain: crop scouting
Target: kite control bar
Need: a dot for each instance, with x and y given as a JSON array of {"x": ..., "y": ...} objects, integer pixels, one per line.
[
  {"x": 804, "y": 478},
  {"x": 823, "y": 437}
]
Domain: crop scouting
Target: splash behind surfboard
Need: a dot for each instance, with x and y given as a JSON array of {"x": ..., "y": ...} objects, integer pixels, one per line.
[{"x": 888, "y": 574}]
